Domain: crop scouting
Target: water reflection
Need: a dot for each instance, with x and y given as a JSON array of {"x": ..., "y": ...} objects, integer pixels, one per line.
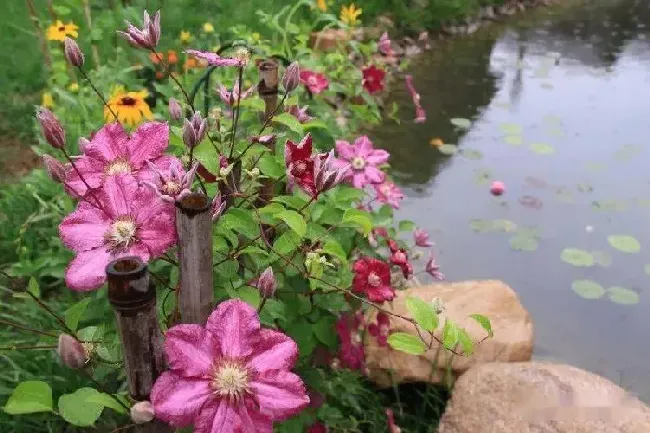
[{"x": 559, "y": 105}]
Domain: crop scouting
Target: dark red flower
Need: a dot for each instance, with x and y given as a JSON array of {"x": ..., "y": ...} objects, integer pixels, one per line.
[
  {"x": 373, "y": 79},
  {"x": 372, "y": 277},
  {"x": 314, "y": 81},
  {"x": 400, "y": 257},
  {"x": 300, "y": 165},
  {"x": 392, "y": 245},
  {"x": 380, "y": 329},
  {"x": 351, "y": 351},
  {"x": 317, "y": 427}
]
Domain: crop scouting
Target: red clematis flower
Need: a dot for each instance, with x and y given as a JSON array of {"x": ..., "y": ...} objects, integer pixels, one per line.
[
  {"x": 314, "y": 81},
  {"x": 373, "y": 79},
  {"x": 300, "y": 165},
  {"x": 380, "y": 329},
  {"x": 372, "y": 277}
]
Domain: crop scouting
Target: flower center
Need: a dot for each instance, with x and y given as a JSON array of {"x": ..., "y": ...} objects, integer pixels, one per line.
[
  {"x": 119, "y": 166},
  {"x": 62, "y": 29},
  {"x": 358, "y": 163},
  {"x": 171, "y": 188},
  {"x": 385, "y": 189},
  {"x": 243, "y": 55},
  {"x": 122, "y": 233},
  {"x": 230, "y": 380},
  {"x": 374, "y": 280},
  {"x": 129, "y": 101}
]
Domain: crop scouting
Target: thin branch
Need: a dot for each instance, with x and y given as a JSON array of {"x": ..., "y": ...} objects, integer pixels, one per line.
[
  {"x": 97, "y": 92},
  {"x": 25, "y": 328}
]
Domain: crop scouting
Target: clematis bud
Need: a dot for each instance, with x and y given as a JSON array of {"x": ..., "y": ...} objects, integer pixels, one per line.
[
  {"x": 194, "y": 130},
  {"x": 175, "y": 110},
  {"x": 291, "y": 78},
  {"x": 432, "y": 268},
  {"x": 145, "y": 38},
  {"x": 73, "y": 53},
  {"x": 142, "y": 412},
  {"x": 72, "y": 352},
  {"x": 218, "y": 205},
  {"x": 51, "y": 128},
  {"x": 83, "y": 144},
  {"x": 421, "y": 238},
  {"x": 54, "y": 168},
  {"x": 384, "y": 45},
  {"x": 326, "y": 172},
  {"x": 266, "y": 283}
]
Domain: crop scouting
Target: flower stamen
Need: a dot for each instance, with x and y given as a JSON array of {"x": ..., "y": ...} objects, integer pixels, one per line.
[
  {"x": 230, "y": 380},
  {"x": 121, "y": 234}
]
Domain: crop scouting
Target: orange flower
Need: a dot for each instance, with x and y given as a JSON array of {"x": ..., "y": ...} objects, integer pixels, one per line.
[
  {"x": 154, "y": 58},
  {"x": 172, "y": 58},
  {"x": 437, "y": 142}
]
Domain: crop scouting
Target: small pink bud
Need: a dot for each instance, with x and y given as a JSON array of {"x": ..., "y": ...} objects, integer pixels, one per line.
[
  {"x": 497, "y": 188},
  {"x": 218, "y": 205},
  {"x": 54, "y": 168},
  {"x": 266, "y": 283},
  {"x": 399, "y": 258},
  {"x": 73, "y": 53},
  {"x": 142, "y": 412},
  {"x": 51, "y": 128},
  {"x": 421, "y": 238},
  {"x": 71, "y": 351},
  {"x": 175, "y": 110},
  {"x": 291, "y": 78}
]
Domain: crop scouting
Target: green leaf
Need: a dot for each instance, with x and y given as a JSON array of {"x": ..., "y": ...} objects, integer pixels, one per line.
[
  {"x": 294, "y": 220},
  {"x": 287, "y": 242},
  {"x": 325, "y": 331},
  {"x": 542, "y": 148},
  {"x": 473, "y": 154},
  {"x": 241, "y": 221},
  {"x": 290, "y": 122},
  {"x": 601, "y": 258},
  {"x": 514, "y": 140},
  {"x": 344, "y": 195},
  {"x": 484, "y": 322},
  {"x": 577, "y": 257},
  {"x": 588, "y": 289},
  {"x": 407, "y": 343},
  {"x": 30, "y": 397},
  {"x": 383, "y": 217},
  {"x": 292, "y": 201},
  {"x": 335, "y": 249},
  {"x": 250, "y": 295},
  {"x": 623, "y": 296},
  {"x": 77, "y": 410},
  {"x": 450, "y": 335},
  {"x": 301, "y": 333},
  {"x": 358, "y": 218},
  {"x": 34, "y": 288},
  {"x": 254, "y": 249},
  {"x": 523, "y": 243},
  {"x": 646, "y": 269},
  {"x": 206, "y": 154},
  {"x": 466, "y": 342},
  {"x": 625, "y": 243},
  {"x": 407, "y": 226},
  {"x": 461, "y": 122},
  {"x": 448, "y": 149},
  {"x": 423, "y": 313},
  {"x": 511, "y": 128},
  {"x": 227, "y": 269},
  {"x": 270, "y": 166},
  {"x": 107, "y": 400},
  {"x": 74, "y": 314}
]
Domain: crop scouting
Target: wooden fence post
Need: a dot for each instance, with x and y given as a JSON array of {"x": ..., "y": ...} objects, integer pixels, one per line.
[
  {"x": 134, "y": 302},
  {"x": 194, "y": 229},
  {"x": 268, "y": 91}
]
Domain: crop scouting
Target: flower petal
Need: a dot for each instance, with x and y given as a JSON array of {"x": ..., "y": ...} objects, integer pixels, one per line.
[
  {"x": 374, "y": 175},
  {"x": 380, "y": 294},
  {"x": 87, "y": 271},
  {"x": 158, "y": 234},
  {"x": 191, "y": 350},
  {"x": 108, "y": 143},
  {"x": 84, "y": 228},
  {"x": 234, "y": 323},
  {"x": 149, "y": 141},
  {"x": 273, "y": 350},
  {"x": 359, "y": 179},
  {"x": 92, "y": 171},
  {"x": 138, "y": 250},
  {"x": 147, "y": 205},
  {"x": 222, "y": 416},
  {"x": 377, "y": 157},
  {"x": 280, "y": 394},
  {"x": 215, "y": 59},
  {"x": 363, "y": 146},
  {"x": 118, "y": 194},
  {"x": 344, "y": 150},
  {"x": 179, "y": 400}
]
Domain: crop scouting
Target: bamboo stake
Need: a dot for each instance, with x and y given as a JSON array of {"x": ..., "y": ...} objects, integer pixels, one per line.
[
  {"x": 268, "y": 91},
  {"x": 134, "y": 302},
  {"x": 194, "y": 229}
]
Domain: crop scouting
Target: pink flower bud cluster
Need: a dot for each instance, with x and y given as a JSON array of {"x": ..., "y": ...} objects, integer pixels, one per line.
[{"x": 147, "y": 37}]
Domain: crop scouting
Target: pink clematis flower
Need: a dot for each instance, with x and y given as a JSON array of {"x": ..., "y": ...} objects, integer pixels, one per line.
[
  {"x": 362, "y": 160},
  {"x": 314, "y": 81},
  {"x": 300, "y": 113},
  {"x": 388, "y": 193},
  {"x": 380, "y": 329},
  {"x": 421, "y": 238},
  {"x": 420, "y": 114},
  {"x": 351, "y": 352},
  {"x": 372, "y": 278},
  {"x": 229, "y": 376},
  {"x": 433, "y": 268},
  {"x": 171, "y": 183},
  {"x": 133, "y": 222},
  {"x": 231, "y": 97},
  {"x": 373, "y": 79},
  {"x": 111, "y": 151},
  {"x": 217, "y": 60},
  {"x": 384, "y": 45}
]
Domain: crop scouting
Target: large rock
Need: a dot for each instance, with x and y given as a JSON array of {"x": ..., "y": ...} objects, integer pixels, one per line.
[
  {"x": 540, "y": 397},
  {"x": 512, "y": 341}
]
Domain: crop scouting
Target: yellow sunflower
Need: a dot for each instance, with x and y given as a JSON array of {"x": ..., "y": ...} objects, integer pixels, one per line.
[
  {"x": 349, "y": 14},
  {"x": 130, "y": 107},
  {"x": 58, "y": 31},
  {"x": 47, "y": 100}
]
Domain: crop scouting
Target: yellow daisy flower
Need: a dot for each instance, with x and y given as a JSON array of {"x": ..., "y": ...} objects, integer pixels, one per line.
[
  {"x": 320, "y": 4},
  {"x": 47, "y": 101},
  {"x": 58, "y": 31},
  {"x": 73, "y": 87},
  {"x": 349, "y": 14},
  {"x": 185, "y": 36},
  {"x": 130, "y": 107},
  {"x": 208, "y": 28}
]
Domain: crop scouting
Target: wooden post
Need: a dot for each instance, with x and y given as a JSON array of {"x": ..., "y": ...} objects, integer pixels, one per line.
[
  {"x": 194, "y": 228},
  {"x": 268, "y": 91},
  {"x": 134, "y": 302}
]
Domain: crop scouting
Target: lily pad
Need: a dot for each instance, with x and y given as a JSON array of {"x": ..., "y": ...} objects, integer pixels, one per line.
[
  {"x": 511, "y": 128},
  {"x": 523, "y": 243},
  {"x": 628, "y": 152},
  {"x": 643, "y": 202},
  {"x": 588, "y": 289},
  {"x": 594, "y": 166},
  {"x": 492, "y": 226},
  {"x": 514, "y": 140},
  {"x": 555, "y": 132},
  {"x": 552, "y": 120},
  {"x": 601, "y": 258},
  {"x": 609, "y": 205},
  {"x": 625, "y": 243},
  {"x": 564, "y": 195},
  {"x": 530, "y": 201},
  {"x": 472, "y": 154},
  {"x": 646, "y": 269},
  {"x": 461, "y": 122},
  {"x": 623, "y": 296},
  {"x": 577, "y": 257},
  {"x": 448, "y": 149},
  {"x": 585, "y": 187},
  {"x": 529, "y": 231},
  {"x": 542, "y": 148},
  {"x": 547, "y": 86},
  {"x": 482, "y": 176}
]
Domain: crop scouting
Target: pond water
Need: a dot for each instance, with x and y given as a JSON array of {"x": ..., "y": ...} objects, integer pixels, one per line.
[{"x": 559, "y": 104}]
